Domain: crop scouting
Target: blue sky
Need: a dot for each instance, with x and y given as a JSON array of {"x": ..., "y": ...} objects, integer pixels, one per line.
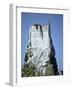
[{"x": 56, "y": 22}]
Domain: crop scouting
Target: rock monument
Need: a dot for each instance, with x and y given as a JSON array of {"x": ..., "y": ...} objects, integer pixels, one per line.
[{"x": 40, "y": 50}]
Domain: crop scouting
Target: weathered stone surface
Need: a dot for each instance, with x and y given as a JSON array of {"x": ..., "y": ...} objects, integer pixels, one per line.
[{"x": 40, "y": 51}]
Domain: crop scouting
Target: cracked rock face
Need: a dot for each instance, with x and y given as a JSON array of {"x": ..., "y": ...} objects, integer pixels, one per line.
[{"x": 40, "y": 47}]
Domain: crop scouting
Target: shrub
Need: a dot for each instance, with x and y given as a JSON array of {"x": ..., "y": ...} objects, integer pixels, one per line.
[{"x": 28, "y": 70}]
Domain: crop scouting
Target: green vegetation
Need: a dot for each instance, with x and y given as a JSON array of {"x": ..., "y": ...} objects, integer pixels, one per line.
[
  {"x": 28, "y": 70},
  {"x": 50, "y": 70}
]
